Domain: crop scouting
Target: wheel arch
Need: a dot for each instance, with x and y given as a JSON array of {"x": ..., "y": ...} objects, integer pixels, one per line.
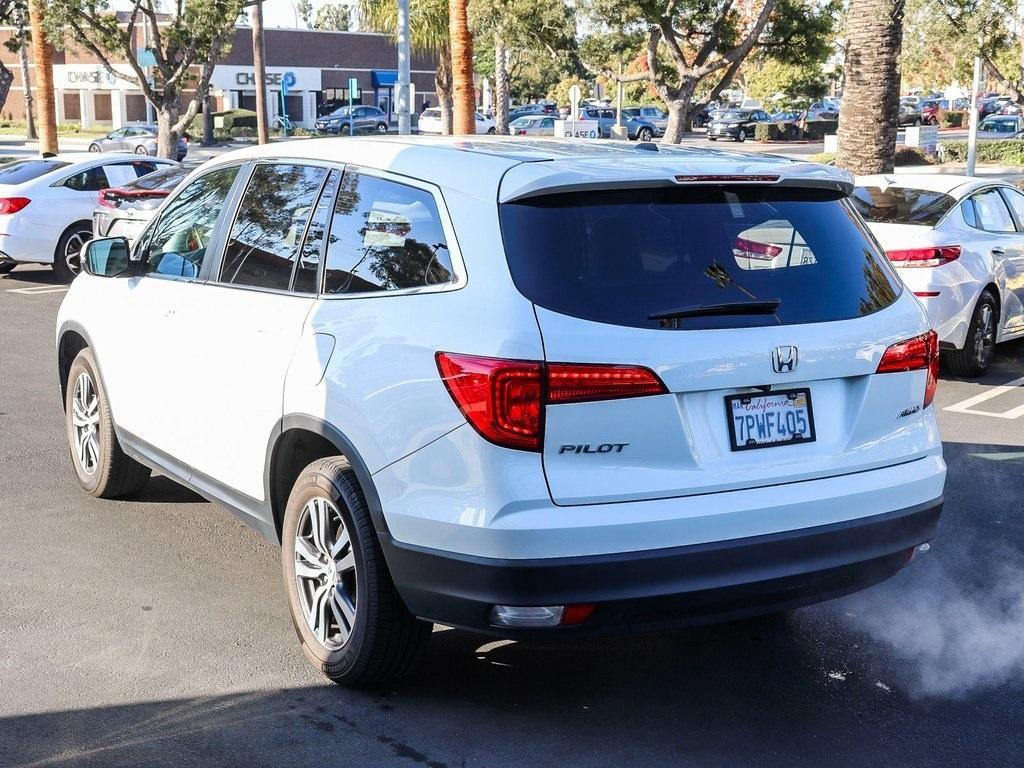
[
  {"x": 72, "y": 340},
  {"x": 300, "y": 440}
]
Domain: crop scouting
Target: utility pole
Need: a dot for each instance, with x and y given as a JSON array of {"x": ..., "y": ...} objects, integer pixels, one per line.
[
  {"x": 260, "y": 73},
  {"x": 972, "y": 134},
  {"x": 404, "y": 116},
  {"x": 42, "y": 55}
]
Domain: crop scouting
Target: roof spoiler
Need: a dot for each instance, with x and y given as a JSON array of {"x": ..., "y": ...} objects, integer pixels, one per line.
[{"x": 812, "y": 177}]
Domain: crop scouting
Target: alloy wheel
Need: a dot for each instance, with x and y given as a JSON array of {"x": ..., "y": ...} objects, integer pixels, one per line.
[
  {"x": 73, "y": 250},
  {"x": 985, "y": 336},
  {"x": 85, "y": 419},
  {"x": 325, "y": 573}
]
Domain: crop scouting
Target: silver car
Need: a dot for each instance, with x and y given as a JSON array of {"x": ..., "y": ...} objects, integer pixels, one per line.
[
  {"x": 140, "y": 139},
  {"x": 124, "y": 211},
  {"x": 532, "y": 125}
]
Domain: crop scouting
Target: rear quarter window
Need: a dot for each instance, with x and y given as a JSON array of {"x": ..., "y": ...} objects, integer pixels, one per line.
[
  {"x": 27, "y": 170},
  {"x": 620, "y": 256},
  {"x": 901, "y": 205}
]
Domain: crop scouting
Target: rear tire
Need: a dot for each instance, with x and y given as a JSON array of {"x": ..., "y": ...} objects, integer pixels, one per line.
[
  {"x": 349, "y": 618},
  {"x": 140, "y": 150},
  {"x": 67, "y": 260},
  {"x": 94, "y": 147},
  {"x": 103, "y": 468},
  {"x": 742, "y": 135},
  {"x": 712, "y": 138},
  {"x": 979, "y": 348},
  {"x": 6, "y": 267},
  {"x": 382, "y": 128}
]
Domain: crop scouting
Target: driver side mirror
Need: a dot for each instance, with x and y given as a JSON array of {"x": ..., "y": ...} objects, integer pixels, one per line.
[{"x": 106, "y": 256}]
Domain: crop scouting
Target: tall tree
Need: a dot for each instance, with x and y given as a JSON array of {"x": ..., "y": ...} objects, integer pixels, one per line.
[
  {"x": 428, "y": 31},
  {"x": 463, "y": 92},
  {"x": 304, "y": 10},
  {"x": 23, "y": 41},
  {"x": 42, "y": 56},
  {"x": 869, "y": 115},
  {"x": 530, "y": 29},
  {"x": 9, "y": 10},
  {"x": 334, "y": 17},
  {"x": 259, "y": 68},
  {"x": 185, "y": 44},
  {"x": 696, "y": 47}
]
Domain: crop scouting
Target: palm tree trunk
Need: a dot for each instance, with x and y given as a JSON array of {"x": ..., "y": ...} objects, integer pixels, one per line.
[
  {"x": 500, "y": 87},
  {"x": 260, "y": 72},
  {"x": 443, "y": 86},
  {"x": 42, "y": 54},
  {"x": 869, "y": 115},
  {"x": 463, "y": 94}
]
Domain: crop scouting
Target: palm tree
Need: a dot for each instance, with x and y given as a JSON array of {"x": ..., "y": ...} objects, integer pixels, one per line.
[
  {"x": 869, "y": 115},
  {"x": 260, "y": 71},
  {"x": 428, "y": 30},
  {"x": 42, "y": 53},
  {"x": 463, "y": 94}
]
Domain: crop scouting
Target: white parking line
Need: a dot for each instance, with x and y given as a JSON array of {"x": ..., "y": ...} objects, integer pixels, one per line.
[
  {"x": 967, "y": 406},
  {"x": 36, "y": 290}
]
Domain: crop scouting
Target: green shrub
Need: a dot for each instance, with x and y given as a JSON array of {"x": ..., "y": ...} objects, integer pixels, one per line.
[
  {"x": 948, "y": 119},
  {"x": 912, "y": 156},
  {"x": 242, "y": 131},
  {"x": 776, "y": 132},
  {"x": 233, "y": 118},
  {"x": 826, "y": 158},
  {"x": 818, "y": 129},
  {"x": 999, "y": 151}
]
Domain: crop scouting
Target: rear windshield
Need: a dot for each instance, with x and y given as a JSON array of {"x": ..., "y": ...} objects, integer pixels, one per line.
[
  {"x": 901, "y": 205},
  {"x": 166, "y": 178},
  {"x": 26, "y": 170},
  {"x": 620, "y": 256}
]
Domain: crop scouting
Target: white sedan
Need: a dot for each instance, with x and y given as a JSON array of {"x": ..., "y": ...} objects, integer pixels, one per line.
[
  {"x": 958, "y": 244},
  {"x": 46, "y": 205},
  {"x": 430, "y": 122}
]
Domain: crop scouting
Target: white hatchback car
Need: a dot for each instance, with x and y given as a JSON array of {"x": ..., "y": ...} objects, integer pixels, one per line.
[
  {"x": 523, "y": 387},
  {"x": 46, "y": 205},
  {"x": 958, "y": 244}
]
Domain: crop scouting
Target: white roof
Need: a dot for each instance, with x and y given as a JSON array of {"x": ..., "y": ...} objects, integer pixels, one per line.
[
  {"x": 949, "y": 183},
  {"x": 479, "y": 165}
]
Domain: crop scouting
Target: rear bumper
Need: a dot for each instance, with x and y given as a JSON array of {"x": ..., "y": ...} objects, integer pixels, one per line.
[{"x": 692, "y": 584}]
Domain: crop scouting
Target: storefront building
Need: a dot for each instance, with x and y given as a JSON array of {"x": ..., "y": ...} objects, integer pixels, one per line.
[{"x": 313, "y": 67}]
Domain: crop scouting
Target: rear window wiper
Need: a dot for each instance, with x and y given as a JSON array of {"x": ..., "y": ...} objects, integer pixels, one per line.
[{"x": 756, "y": 307}]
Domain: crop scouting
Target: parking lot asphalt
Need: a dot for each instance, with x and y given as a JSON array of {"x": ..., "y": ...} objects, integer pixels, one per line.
[{"x": 154, "y": 632}]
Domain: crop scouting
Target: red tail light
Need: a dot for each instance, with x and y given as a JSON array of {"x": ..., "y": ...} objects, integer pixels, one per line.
[
  {"x": 107, "y": 198},
  {"x": 924, "y": 257},
  {"x": 504, "y": 399},
  {"x": 913, "y": 355},
  {"x": 12, "y": 204},
  {"x": 752, "y": 249}
]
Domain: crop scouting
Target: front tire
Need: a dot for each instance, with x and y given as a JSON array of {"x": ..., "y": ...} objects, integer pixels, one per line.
[
  {"x": 6, "y": 267},
  {"x": 742, "y": 135},
  {"x": 67, "y": 258},
  {"x": 94, "y": 147},
  {"x": 712, "y": 138},
  {"x": 349, "y": 618},
  {"x": 979, "y": 348},
  {"x": 140, "y": 150},
  {"x": 645, "y": 134},
  {"x": 382, "y": 128},
  {"x": 103, "y": 468}
]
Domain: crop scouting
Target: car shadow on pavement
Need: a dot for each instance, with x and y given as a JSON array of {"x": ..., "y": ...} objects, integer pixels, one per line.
[
  {"x": 38, "y": 276},
  {"x": 162, "y": 490}
]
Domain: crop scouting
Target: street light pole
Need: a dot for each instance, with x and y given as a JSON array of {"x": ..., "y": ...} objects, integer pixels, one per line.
[
  {"x": 404, "y": 116},
  {"x": 259, "y": 73},
  {"x": 972, "y": 135}
]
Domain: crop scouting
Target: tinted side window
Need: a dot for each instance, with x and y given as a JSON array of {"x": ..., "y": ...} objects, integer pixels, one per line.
[
  {"x": 21, "y": 171},
  {"x": 265, "y": 238},
  {"x": 385, "y": 236},
  {"x": 992, "y": 213},
  {"x": 178, "y": 243},
  {"x": 91, "y": 180}
]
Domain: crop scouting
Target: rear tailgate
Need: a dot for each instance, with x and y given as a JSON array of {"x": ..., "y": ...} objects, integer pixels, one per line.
[{"x": 598, "y": 263}]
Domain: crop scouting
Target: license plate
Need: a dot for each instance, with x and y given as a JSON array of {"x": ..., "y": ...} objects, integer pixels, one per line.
[{"x": 757, "y": 420}]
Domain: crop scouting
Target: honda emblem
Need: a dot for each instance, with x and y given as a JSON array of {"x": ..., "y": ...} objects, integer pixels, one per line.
[{"x": 784, "y": 359}]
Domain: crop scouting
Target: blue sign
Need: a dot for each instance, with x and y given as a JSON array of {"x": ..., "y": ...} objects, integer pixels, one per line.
[{"x": 287, "y": 82}]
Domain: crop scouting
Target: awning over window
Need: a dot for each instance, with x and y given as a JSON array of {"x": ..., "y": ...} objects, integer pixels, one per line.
[{"x": 383, "y": 78}]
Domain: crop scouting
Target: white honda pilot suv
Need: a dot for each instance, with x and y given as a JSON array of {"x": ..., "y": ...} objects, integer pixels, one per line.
[{"x": 522, "y": 387}]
